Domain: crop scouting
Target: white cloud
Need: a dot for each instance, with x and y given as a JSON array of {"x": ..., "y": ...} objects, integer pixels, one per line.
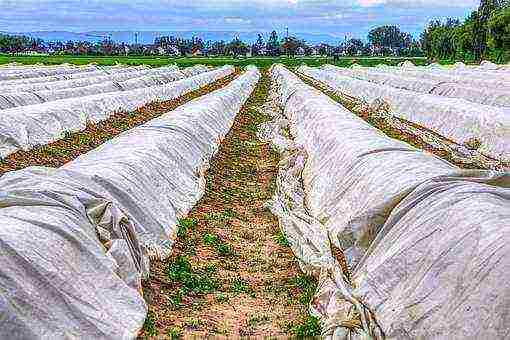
[{"x": 313, "y": 16}]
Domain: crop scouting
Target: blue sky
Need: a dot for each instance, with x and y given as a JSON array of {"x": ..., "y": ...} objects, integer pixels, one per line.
[{"x": 351, "y": 17}]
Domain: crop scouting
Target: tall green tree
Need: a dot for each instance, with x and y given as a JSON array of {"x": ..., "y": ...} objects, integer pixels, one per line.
[
  {"x": 258, "y": 46},
  {"x": 273, "y": 44},
  {"x": 483, "y": 35},
  {"x": 499, "y": 34}
]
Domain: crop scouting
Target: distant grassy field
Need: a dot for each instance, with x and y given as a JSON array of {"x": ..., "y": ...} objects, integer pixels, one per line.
[{"x": 261, "y": 62}]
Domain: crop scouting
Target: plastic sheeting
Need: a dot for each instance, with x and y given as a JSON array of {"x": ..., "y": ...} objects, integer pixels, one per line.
[
  {"x": 67, "y": 76},
  {"x": 493, "y": 97},
  {"x": 426, "y": 241},
  {"x": 58, "y": 280},
  {"x": 456, "y": 119},
  {"x": 437, "y": 73},
  {"x": 14, "y": 99},
  {"x": 43, "y": 72},
  {"x": 463, "y": 73},
  {"x": 27, "y": 126},
  {"x": 64, "y": 84}
]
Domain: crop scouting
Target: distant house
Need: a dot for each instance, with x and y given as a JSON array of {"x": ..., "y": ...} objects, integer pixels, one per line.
[
  {"x": 168, "y": 50},
  {"x": 262, "y": 51},
  {"x": 197, "y": 52},
  {"x": 248, "y": 54},
  {"x": 314, "y": 51},
  {"x": 300, "y": 51},
  {"x": 173, "y": 51},
  {"x": 33, "y": 53}
]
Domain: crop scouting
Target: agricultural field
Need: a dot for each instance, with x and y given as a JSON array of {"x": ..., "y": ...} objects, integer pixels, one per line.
[{"x": 294, "y": 197}]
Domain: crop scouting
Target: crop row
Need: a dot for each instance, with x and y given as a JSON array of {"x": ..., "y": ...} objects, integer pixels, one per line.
[
  {"x": 78, "y": 239},
  {"x": 23, "y": 127},
  {"x": 422, "y": 242},
  {"x": 459, "y": 120}
]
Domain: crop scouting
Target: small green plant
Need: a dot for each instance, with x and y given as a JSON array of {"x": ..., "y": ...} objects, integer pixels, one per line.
[
  {"x": 175, "y": 333},
  {"x": 149, "y": 326},
  {"x": 310, "y": 327},
  {"x": 241, "y": 286},
  {"x": 193, "y": 323},
  {"x": 225, "y": 249},
  {"x": 185, "y": 225},
  {"x": 176, "y": 298},
  {"x": 281, "y": 239},
  {"x": 193, "y": 281},
  {"x": 211, "y": 268},
  {"x": 307, "y": 285},
  {"x": 222, "y": 297},
  {"x": 213, "y": 240}
]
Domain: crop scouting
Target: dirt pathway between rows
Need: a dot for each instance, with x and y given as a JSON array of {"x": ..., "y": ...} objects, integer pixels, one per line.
[{"x": 232, "y": 273}]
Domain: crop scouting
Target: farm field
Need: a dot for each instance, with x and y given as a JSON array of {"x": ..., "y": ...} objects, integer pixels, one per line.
[{"x": 164, "y": 198}]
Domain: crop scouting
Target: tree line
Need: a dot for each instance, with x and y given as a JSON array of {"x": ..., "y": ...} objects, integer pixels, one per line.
[
  {"x": 382, "y": 41},
  {"x": 484, "y": 34}
]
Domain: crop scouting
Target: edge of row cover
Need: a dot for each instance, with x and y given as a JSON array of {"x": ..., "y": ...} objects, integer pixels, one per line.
[
  {"x": 76, "y": 240},
  {"x": 25, "y": 127},
  {"x": 83, "y": 81},
  {"x": 35, "y": 72},
  {"x": 427, "y": 243},
  {"x": 453, "y": 118},
  {"x": 71, "y": 74},
  {"x": 124, "y": 81},
  {"x": 452, "y": 88}
]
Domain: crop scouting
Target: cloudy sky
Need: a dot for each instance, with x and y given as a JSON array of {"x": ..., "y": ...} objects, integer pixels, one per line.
[{"x": 351, "y": 17}]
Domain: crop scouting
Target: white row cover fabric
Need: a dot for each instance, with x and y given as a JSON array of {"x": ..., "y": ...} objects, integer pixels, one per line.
[
  {"x": 427, "y": 243},
  {"x": 484, "y": 70},
  {"x": 456, "y": 119},
  {"x": 459, "y": 69},
  {"x": 57, "y": 279},
  {"x": 484, "y": 65},
  {"x": 27, "y": 126},
  {"x": 437, "y": 73},
  {"x": 64, "y": 84},
  {"x": 14, "y": 99},
  {"x": 493, "y": 97},
  {"x": 67, "y": 76},
  {"x": 161, "y": 77},
  {"x": 43, "y": 71}
]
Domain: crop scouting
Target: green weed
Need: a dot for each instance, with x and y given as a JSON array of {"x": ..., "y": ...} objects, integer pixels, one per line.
[{"x": 193, "y": 281}]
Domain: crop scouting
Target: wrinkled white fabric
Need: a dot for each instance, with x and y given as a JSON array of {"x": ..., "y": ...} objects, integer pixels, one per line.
[
  {"x": 14, "y": 99},
  {"x": 426, "y": 241},
  {"x": 38, "y": 71},
  {"x": 342, "y": 152},
  {"x": 80, "y": 73},
  {"x": 125, "y": 74},
  {"x": 472, "y": 78},
  {"x": 453, "y": 118},
  {"x": 57, "y": 280},
  {"x": 27, "y": 126},
  {"x": 494, "y": 97}
]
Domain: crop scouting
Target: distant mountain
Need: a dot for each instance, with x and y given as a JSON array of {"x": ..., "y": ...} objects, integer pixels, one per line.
[{"x": 146, "y": 37}]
